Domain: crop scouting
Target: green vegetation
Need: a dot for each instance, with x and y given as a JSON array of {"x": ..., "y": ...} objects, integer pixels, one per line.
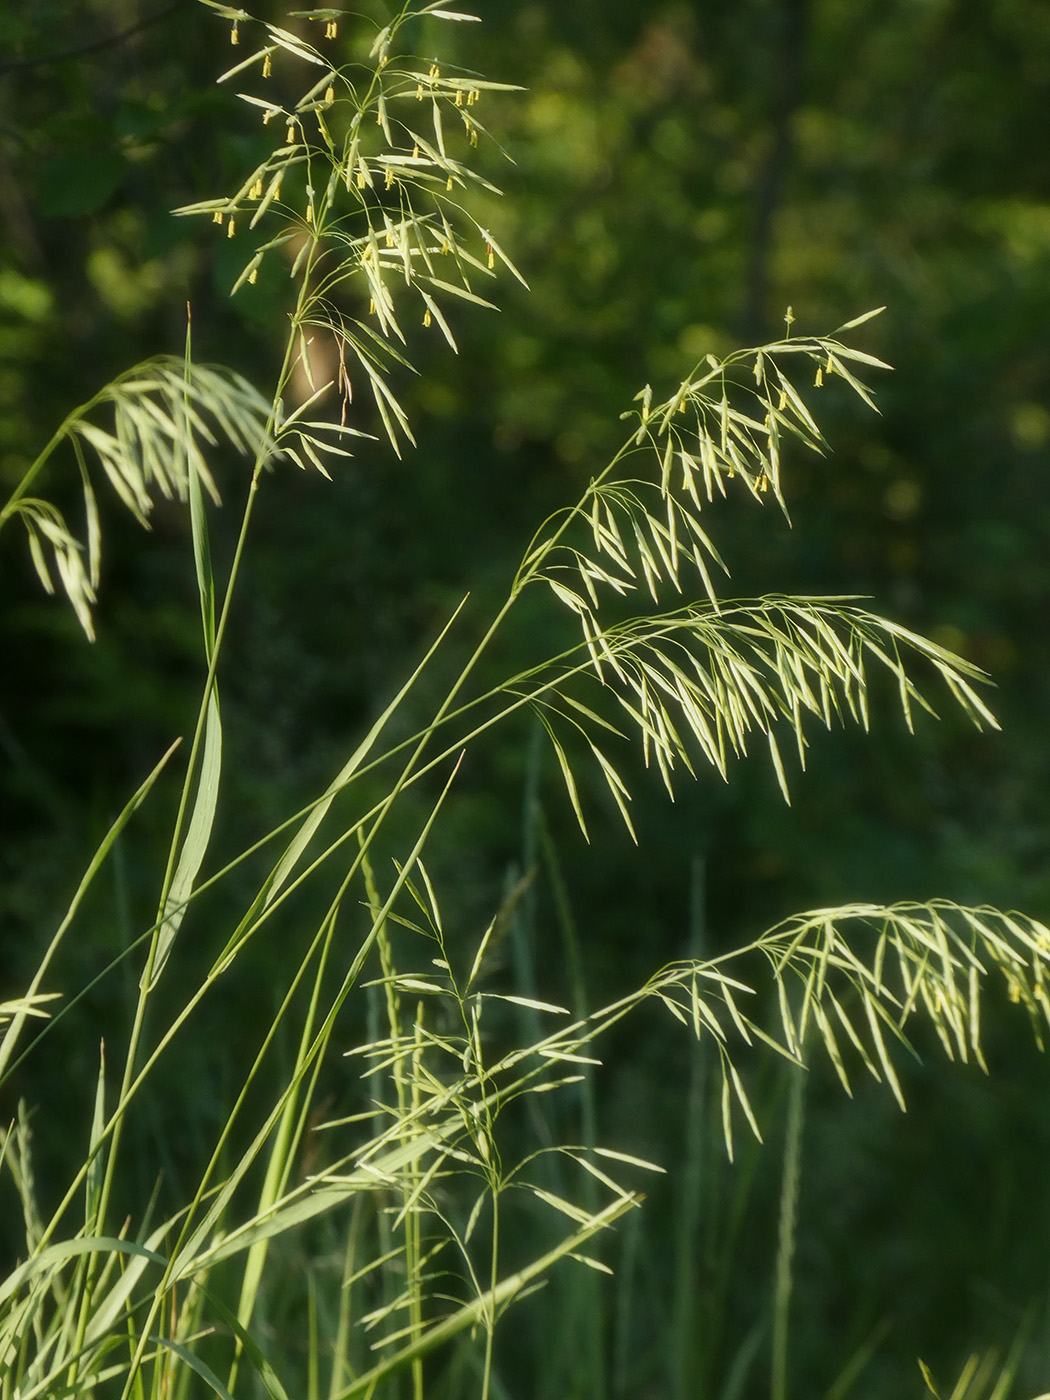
[{"x": 377, "y": 1063}]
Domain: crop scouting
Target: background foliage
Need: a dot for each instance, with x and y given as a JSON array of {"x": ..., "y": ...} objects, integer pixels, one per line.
[{"x": 683, "y": 173}]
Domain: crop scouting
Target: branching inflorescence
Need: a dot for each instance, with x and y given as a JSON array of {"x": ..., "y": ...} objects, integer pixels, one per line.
[{"x": 365, "y": 200}]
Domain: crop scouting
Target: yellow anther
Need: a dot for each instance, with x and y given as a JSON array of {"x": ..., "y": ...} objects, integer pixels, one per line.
[
  {"x": 362, "y": 175},
  {"x": 426, "y": 317},
  {"x": 230, "y": 227},
  {"x": 371, "y": 306},
  {"x": 472, "y": 97},
  {"x": 419, "y": 92},
  {"x": 783, "y": 400},
  {"x": 390, "y": 235},
  {"x": 435, "y": 71},
  {"x": 253, "y": 276},
  {"x": 491, "y": 255},
  {"x": 448, "y": 183},
  {"x": 235, "y": 37},
  {"x": 217, "y": 217},
  {"x": 415, "y": 151},
  {"x": 309, "y": 213},
  {"x": 267, "y": 66},
  {"x": 289, "y": 135},
  {"x": 819, "y": 380},
  {"x": 331, "y": 29},
  {"x": 473, "y": 136},
  {"x": 256, "y": 190},
  {"x": 329, "y": 94},
  {"x": 445, "y": 246},
  {"x": 763, "y": 483},
  {"x": 459, "y": 97},
  {"x": 389, "y": 182}
]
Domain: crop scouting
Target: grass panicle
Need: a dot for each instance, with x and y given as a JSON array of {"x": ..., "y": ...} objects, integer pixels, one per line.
[{"x": 365, "y": 1253}]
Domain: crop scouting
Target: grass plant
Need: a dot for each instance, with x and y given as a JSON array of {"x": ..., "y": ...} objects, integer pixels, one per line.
[{"x": 377, "y": 1252}]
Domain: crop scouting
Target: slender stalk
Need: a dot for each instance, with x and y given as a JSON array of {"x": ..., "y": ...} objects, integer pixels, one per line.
[
  {"x": 9, "y": 509},
  {"x": 138, "y": 1022},
  {"x": 215, "y": 651},
  {"x": 413, "y": 1221},
  {"x": 688, "y": 1319},
  {"x": 787, "y": 1231},
  {"x": 490, "y": 1313}
]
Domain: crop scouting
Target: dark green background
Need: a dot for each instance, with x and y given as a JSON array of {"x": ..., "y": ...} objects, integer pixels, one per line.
[{"x": 683, "y": 173}]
